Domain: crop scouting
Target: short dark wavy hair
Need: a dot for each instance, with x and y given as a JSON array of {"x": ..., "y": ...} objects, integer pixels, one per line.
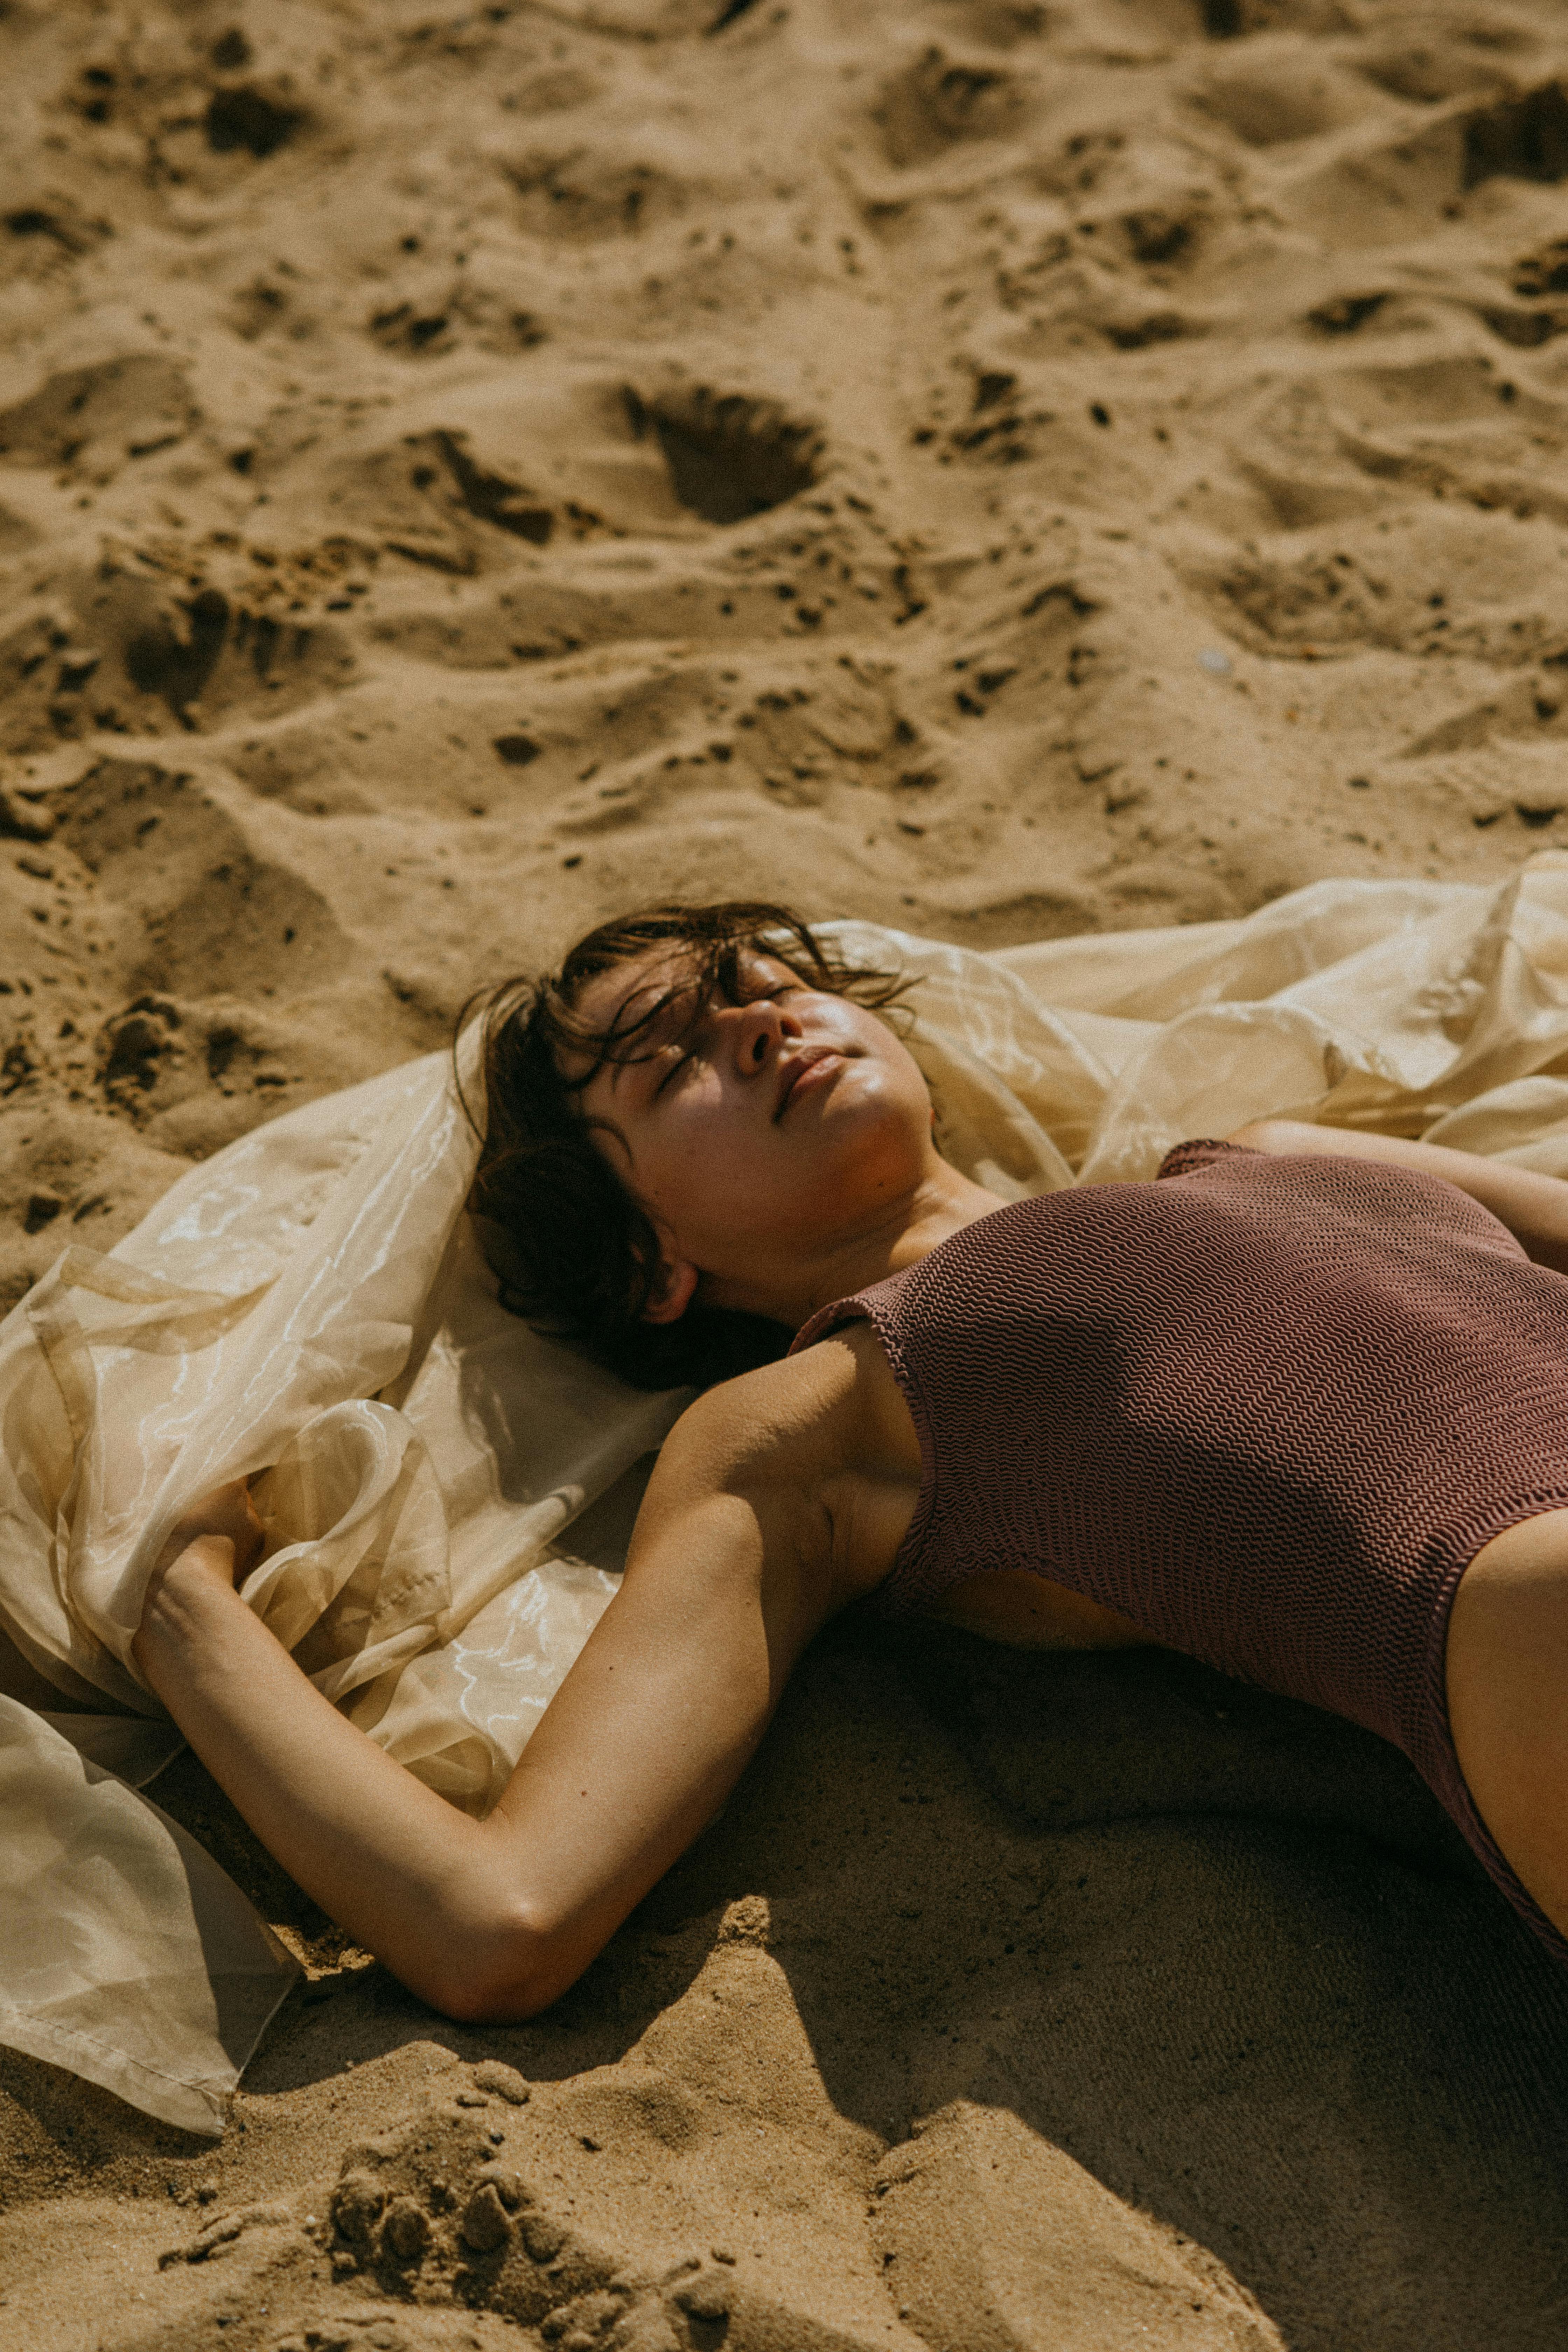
[{"x": 576, "y": 1254}]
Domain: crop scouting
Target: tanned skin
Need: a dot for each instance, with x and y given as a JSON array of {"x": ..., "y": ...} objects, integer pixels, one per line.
[{"x": 784, "y": 1152}]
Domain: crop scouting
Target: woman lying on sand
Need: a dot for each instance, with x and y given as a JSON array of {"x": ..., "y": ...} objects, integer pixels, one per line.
[{"x": 1298, "y": 1407}]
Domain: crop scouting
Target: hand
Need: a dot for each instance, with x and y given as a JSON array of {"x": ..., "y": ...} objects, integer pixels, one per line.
[
  {"x": 216, "y": 1542},
  {"x": 222, "y": 1530}
]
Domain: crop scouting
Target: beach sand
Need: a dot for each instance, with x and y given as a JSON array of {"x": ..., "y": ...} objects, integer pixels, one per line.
[{"x": 1003, "y": 467}]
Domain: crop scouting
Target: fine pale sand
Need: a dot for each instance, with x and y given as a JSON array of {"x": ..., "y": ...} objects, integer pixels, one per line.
[{"x": 1004, "y": 468}]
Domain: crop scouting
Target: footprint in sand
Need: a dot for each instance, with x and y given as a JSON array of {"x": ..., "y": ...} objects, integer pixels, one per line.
[
  {"x": 215, "y": 917},
  {"x": 939, "y": 100},
  {"x": 93, "y": 420},
  {"x": 730, "y": 457},
  {"x": 1385, "y": 189}
]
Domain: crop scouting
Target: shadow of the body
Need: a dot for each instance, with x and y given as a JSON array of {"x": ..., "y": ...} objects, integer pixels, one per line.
[{"x": 1225, "y": 1951}]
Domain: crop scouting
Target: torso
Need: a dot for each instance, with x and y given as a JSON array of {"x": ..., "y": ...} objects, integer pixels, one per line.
[
  {"x": 1273, "y": 1411},
  {"x": 852, "y": 1440},
  {"x": 1030, "y": 1368},
  {"x": 844, "y": 1434},
  {"x": 1277, "y": 1410}
]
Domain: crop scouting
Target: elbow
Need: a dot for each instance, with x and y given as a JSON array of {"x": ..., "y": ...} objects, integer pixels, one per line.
[
  {"x": 1273, "y": 1135},
  {"x": 496, "y": 1971},
  {"x": 469, "y": 1998}
]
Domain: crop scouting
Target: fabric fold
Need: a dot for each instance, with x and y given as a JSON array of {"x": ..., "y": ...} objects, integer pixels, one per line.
[{"x": 126, "y": 1954}]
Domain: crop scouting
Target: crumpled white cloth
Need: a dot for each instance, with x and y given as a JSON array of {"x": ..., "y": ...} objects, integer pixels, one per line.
[{"x": 309, "y": 1308}]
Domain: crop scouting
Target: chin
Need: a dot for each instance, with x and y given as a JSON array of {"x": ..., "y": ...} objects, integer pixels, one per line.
[{"x": 867, "y": 1147}]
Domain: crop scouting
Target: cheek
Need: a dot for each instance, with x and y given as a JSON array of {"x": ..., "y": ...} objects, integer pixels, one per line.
[
  {"x": 695, "y": 1161},
  {"x": 893, "y": 1090}
]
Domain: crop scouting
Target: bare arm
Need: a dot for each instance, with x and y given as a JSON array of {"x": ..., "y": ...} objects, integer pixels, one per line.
[
  {"x": 726, "y": 1584},
  {"x": 1533, "y": 1207}
]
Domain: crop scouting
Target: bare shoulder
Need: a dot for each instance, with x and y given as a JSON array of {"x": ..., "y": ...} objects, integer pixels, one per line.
[
  {"x": 798, "y": 1444},
  {"x": 784, "y": 1420}
]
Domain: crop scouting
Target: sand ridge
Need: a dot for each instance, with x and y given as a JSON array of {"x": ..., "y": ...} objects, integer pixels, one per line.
[{"x": 1004, "y": 468}]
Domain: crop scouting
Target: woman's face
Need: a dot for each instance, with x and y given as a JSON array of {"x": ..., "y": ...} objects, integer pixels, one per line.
[{"x": 764, "y": 1135}]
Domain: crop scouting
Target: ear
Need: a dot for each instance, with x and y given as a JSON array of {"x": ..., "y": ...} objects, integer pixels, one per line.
[{"x": 674, "y": 1296}]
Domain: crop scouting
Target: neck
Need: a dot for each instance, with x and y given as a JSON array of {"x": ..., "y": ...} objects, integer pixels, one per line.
[{"x": 940, "y": 1205}]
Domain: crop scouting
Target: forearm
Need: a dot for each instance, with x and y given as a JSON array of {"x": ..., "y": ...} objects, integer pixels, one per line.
[
  {"x": 410, "y": 1877},
  {"x": 1533, "y": 1207},
  {"x": 645, "y": 1737}
]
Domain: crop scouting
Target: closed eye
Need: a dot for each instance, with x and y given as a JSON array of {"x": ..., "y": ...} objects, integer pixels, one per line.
[{"x": 679, "y": 1056}]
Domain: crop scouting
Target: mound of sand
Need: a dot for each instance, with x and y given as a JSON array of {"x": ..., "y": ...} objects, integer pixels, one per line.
[{"x": 1006, "y": 469}]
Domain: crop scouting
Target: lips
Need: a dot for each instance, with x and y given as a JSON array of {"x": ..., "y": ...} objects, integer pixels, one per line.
[{"x": 796, "y": 1068}]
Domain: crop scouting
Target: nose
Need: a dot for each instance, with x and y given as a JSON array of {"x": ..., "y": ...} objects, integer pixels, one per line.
[{"x": 759, "y": 1029}]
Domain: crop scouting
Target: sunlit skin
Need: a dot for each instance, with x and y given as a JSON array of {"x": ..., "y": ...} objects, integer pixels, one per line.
[
  {"x": 783, "y": 1147},
  {"x": 783, "y": 1151}
]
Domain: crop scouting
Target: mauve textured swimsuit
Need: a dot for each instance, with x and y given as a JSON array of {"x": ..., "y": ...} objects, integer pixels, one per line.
[{"x": 1269, "y": 1408}]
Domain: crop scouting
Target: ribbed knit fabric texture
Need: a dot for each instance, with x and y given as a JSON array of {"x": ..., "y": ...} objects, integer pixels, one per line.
[{"x": 1269, "y": 1408}]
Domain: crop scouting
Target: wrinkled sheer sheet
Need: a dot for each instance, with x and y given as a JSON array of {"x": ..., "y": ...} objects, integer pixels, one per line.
[{"x": 309, "y": 1308}]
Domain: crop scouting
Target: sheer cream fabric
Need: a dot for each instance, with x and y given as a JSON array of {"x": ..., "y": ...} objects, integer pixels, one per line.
[{"x": 309, "y": 1308}]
